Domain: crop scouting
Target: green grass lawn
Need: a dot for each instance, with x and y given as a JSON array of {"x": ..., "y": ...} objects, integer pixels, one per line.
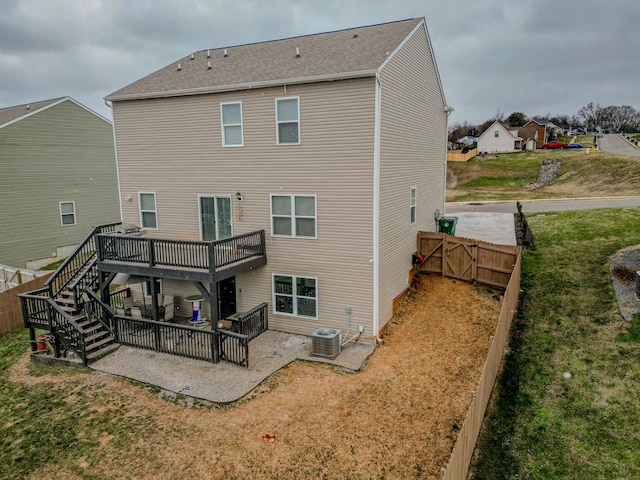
[
  {"x": 506, "y": 176},
  {"x": 541, "y": 425}
]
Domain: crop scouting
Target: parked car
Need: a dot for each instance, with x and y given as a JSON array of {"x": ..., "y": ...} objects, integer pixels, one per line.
[
  {"x": 574, "y": 145},
  {"x": 554, "y": 144}
]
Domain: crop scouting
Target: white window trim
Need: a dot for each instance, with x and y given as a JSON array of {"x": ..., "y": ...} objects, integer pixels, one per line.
[
  {"x": 413, "y": 201},
  {"x": 295, "y": 297},
  {"x": 293, "y": 216},
  {"x": 75, "y": 218},
  {"x": 155, "y": 202},
  {"x": 224, "y": 137},
  {"x": 230, "y": 197},
  {"x": 287, "y": 121}
]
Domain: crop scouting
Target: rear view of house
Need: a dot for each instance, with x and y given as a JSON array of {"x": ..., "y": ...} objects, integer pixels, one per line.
[
  {"x": 333, "y": 144},
  {"x": 289, "y": 177},
  {"x": 57, "y": 178}
]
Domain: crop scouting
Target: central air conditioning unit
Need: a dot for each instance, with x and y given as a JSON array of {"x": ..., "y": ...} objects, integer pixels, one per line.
[{"x": 325, "y": 342}]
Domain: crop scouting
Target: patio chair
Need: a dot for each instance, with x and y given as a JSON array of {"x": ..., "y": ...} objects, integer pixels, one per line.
[
  {"x": 127, "y": 303},
  {"x": 136, "y": 312},
  {"x": 120, "y": 311},
  {"x": 169, "y": 312}
]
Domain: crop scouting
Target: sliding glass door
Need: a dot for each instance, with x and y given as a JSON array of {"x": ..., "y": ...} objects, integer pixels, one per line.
[{"x": 215, "y": 218}]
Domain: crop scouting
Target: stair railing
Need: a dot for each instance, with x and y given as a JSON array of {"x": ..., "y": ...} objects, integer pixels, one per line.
[
  {"x": 73, "y": 264},
  {"x": 72, "y": 335},
  {"x": 96, "y": 309}
]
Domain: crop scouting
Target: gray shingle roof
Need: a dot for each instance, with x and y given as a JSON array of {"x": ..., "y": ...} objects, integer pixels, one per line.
[
  {"x": 9, "y": 114},
  {"x": 344, "y": 53}
]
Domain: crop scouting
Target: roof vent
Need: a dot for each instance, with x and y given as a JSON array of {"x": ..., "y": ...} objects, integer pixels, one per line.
[
  {"x": 355, "y": 35},
  {"x": 208, "y": 54},
  {"x": 209, "y": 67},
  {"x": 297, "y": 52},
  {"x": 28, "y": 107},
  {"x": 225, "y": 53},
  {"x": 179, "y": 67},
  {"x": 192, "y": 57},
  {"x": 325, "y": 342}
]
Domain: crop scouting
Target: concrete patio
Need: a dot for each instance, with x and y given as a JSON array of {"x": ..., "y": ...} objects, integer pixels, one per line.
[{"x": 223, "y": 382}]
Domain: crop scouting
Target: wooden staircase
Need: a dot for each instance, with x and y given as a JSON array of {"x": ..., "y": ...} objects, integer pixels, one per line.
[
  {"x": 72, "y": 315},
  {"x": 99, "y": 341}
]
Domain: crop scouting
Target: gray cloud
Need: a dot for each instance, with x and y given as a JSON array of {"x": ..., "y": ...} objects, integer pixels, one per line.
[{"x": 535, "y": 56}]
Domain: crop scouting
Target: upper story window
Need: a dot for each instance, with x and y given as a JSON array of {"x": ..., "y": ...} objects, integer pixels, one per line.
[
  {"x": 288, "y": 120},
  {"x": 67, "y": 213},
  {"x": 497, "y": 133},
  {"x": 293, "y": 215},
  {"x": 412, "y": 205},
  {"x": 231, "y": 124},
  {"x": 148, "y": 212}
]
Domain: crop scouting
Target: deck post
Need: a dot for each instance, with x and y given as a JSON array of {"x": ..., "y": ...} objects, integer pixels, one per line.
[{"x": 213, "y": 300}]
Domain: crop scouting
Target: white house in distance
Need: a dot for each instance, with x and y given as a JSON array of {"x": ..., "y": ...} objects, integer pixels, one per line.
[{"x": 500, "y": 137}]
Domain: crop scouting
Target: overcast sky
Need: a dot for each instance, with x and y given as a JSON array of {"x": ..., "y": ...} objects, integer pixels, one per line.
[{"x": 533, "y": 56}]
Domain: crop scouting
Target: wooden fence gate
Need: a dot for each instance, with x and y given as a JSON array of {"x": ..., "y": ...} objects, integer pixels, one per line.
[{"x": 466, "y": 259}]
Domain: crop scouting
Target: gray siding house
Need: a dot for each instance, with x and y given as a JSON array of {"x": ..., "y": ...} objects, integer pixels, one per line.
[
  {"x": 333, "y": 145},
  {"x": 57, "y": 178}
]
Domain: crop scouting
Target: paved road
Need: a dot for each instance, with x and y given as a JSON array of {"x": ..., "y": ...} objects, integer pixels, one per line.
[
  {"x": 530, "y": 206},
  {"x": 613, "y": 143}
]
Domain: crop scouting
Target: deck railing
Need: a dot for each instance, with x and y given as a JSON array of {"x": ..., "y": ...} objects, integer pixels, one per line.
[
  {"x": 233, "y": 347},
  {"x": 181, "y": 340},
  {"x": 254, "y": 322},
  {"x": 154, "y": 252}
]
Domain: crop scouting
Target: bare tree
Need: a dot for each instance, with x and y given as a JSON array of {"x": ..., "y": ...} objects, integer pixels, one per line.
[{"x": 591, "y": 114}]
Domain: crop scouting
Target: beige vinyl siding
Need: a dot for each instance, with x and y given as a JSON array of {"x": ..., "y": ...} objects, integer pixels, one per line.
[
  {"x": 412, "y": 154},
  {"x": 62, "y": 154},
  {"x": 173, "y": 147}
]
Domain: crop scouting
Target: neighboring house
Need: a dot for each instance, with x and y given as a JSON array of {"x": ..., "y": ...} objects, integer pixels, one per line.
[
  {"x": 499, "y": 137},
  {"x": 332, "y": 145},
  {"x": 529, "y": 136},
  {"x": 57, "y": 178},
  {"x": 547, "y": 131}
]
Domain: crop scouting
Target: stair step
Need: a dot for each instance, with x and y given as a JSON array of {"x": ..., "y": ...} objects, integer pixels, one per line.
[
  {"x": 67, "y": 309},
  {"x": 65, "y": 300},
  {"x": 94, "y": 327},
  {"x": 96, "y": 345},
  {"x": 96, "y": 336},
  {"x": 102, "y": 352}
]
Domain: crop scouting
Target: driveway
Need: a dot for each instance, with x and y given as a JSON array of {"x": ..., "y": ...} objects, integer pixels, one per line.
[
  {"x": 498, "y": 228},
  {"x": 613, "y": 143}
]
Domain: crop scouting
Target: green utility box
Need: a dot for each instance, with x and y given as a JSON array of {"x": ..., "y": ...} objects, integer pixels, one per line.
[{"x": 448, "y": 225}]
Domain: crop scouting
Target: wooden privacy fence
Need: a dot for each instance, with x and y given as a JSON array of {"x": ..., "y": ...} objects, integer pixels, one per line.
[
  {"x": 12, "y": 277},
  {"x": 490, "y": 264},
  {"x": 458, "y": 156},
  {"x": 10, "y": 306},
  {"x": 465, "y": 259}
]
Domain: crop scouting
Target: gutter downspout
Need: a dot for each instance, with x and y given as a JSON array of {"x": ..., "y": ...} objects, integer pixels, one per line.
[
  {"x": 115, "y": 151},
  {"x": 448, "y": 111},
  {"x": 376, "y": 211}
]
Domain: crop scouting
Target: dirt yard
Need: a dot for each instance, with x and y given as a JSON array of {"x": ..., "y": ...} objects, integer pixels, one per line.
[{"x": 397, "y": 418}]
